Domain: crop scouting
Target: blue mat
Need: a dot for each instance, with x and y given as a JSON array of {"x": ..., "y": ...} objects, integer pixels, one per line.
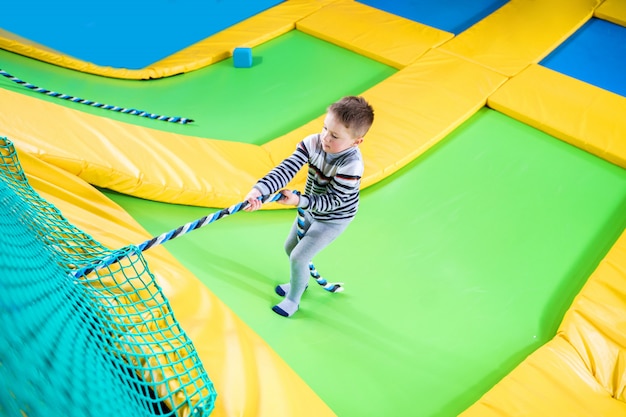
[
  {"x": 125, "y": 34},
  {"x": 596, "y": 54},
  {"x": 450, "y": 15}
]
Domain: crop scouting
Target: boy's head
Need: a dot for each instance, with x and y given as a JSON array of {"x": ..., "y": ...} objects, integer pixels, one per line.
[
  {"x": 346, "y": 122},
  {"x": 354, "y": 113}
]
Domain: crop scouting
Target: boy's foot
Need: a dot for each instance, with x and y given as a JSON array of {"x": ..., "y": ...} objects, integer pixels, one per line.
[
  {"x": 285, "y": 308},
  {"x": 283, "y": 289}
]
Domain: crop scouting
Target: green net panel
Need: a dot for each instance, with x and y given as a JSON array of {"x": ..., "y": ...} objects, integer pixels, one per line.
[{"x": 106, "y": 344}]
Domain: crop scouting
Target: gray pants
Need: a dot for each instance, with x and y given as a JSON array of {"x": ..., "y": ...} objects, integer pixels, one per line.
[{"x": 317, "y": 235}]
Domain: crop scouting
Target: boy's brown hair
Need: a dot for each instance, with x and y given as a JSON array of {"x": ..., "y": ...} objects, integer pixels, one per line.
[{"x": 355, "y": 113}]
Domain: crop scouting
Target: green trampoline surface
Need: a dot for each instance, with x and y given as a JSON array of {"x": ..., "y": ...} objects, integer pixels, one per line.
[{"x": 456, "y": 268}]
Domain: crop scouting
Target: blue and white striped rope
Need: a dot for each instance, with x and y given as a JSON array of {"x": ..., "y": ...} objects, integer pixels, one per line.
[
  {"x": 191, "y": 226},
  {"x": 134, "y": 112},
  {"x": 167, "y": 236},
  {"x": 328, "y": 286}
]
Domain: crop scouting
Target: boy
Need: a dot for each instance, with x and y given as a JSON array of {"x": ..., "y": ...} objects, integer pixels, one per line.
[{"x": 331, "y": 196}]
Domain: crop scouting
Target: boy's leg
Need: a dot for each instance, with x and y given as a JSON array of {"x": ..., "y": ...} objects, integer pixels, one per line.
[
  {"x": 290, "y": 243},
  {"x": 317, "y": 237},
  {"x": 292, "y": 237}
]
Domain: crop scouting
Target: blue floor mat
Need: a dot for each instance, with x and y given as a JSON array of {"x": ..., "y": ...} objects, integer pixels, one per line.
[
  {"x": 596, "y": 54},
  {"x": 126, "y": 34}
]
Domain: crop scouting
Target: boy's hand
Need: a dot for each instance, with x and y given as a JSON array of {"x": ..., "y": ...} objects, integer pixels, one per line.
[
  {"x": 289, "y": 198},
  {"x": 253, "y": 200}
]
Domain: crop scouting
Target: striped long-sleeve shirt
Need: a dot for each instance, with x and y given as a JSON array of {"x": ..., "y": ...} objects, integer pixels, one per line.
[{"x": 333, "y": 180}]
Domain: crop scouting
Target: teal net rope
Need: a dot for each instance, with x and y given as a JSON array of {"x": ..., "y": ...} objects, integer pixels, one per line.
[{"x": 106, "y": 344}]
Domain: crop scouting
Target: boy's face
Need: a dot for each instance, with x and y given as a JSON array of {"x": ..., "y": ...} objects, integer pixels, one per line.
[{"x": 336, "y": 137}]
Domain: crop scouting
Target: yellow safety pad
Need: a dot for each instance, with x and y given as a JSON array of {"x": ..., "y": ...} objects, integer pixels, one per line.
[
  {"x": 521, "y": 32},
  {"x": 414, "y": 109},
  {"x": 613, "y": 11},
  {"x": 418, "y": 106},
  {"x": 381, "y": 36},
  {"x": 249, "y": 377},
  {"x": 582, "y": 371},
  {"x": 15, "y": 41},
  {"x": 134, "y": 160},
  {"x": 251, "y": 32},
  {"x": 553, "y": 381},
  {"x": 595, "y": 324},
  {"x": 581, "y": 114}
]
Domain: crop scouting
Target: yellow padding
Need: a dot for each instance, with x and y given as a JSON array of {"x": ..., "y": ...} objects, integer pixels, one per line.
[
  {"x": 14, "y": 41},
  {"x": 613, "y": 11},
  {"x": 381, "y": 36},
  {"x": 250, "y": 378},
  {"x": 414, "y": 109},
  {"x": 551, "y": 382},
  {"x": 251, "y": 32},
  {"x": 521, "y": 32},
  {"x": 595, "y": 324},
  {"x": 581, "y": 114},
  {"x": 134, "y": 160},
  {"x": 582, "y": 371}
]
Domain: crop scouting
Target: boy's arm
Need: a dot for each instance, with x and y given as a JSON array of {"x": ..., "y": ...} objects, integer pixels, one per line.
[
  {"x": 284, "y": 172},
  {"x": 253, "y": 200},
  {"x": 278, "y": 177}
]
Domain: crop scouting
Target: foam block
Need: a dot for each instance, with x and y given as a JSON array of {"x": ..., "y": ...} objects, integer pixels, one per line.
[{"x": 242, "y": 57}]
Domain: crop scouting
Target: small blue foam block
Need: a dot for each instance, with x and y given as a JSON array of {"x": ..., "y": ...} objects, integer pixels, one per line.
[{"x": 242, "y": 57}]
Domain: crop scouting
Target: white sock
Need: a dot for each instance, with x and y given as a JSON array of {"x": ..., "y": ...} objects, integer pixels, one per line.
[
  {"x": 285, "y": 308},
  {"x": 282, "y": 289}
]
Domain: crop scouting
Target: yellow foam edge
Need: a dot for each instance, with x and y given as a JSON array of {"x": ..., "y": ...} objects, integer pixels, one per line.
[
  {"x": 581, "y": 114},
  {"x": 373, "y": 33},
  {"x": 247, "y": 374},
  {"x": 415, "y": 108},
  {"x": 580, "y": 372},
  {"x": 134, "y": 160},
  {"x": 613, "y": 11},
  {"x": 251, "y": 32},
  {"x": 520, "y": 33},
  {"x": 595, "y": 327},
  {"x": 556, "y": 379}
]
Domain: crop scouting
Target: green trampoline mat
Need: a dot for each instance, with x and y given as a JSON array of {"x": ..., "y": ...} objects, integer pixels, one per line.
[
  {"x": 293, "y": 79},
  {"x": 455, "y": 269}
]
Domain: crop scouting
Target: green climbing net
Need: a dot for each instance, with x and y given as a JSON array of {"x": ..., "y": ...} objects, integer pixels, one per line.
[{"x": 106, "y": 344}]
